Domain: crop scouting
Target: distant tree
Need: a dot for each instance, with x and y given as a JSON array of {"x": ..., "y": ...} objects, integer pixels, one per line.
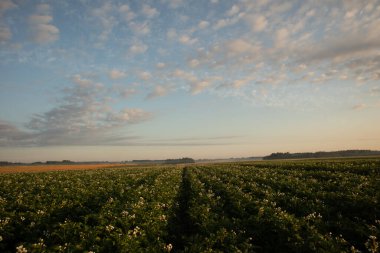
[
  {"x": 321, "y": 154},
  {"x": 181, "y": 160}
]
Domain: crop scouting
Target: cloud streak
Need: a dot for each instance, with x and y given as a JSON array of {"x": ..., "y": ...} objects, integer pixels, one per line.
[
  {"x": 83, "y": 116},
  {"x": 43, "y": 31}
]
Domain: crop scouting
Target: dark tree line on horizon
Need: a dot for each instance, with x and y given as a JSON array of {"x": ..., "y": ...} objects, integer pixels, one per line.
[{"x": 321, "y": 154}]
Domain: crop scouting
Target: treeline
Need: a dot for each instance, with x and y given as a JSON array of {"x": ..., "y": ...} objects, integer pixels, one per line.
[
  {"x": 167, "y": 161},
  {"x": 321, "y": 154}
]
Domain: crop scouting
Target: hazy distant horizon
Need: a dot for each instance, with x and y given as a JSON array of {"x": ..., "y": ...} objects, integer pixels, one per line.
[{"x": 110, "y": 80}]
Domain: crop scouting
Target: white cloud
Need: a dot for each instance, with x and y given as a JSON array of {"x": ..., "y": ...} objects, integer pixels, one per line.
[
  {"x": 175, "y": 3},
  {"x": 203, "y": 24},
  {"x": 224, "y": 22},
  {"x": 187, "y": 40},
  {"x": 138, "y": 48},
  {"x": 115, "y": 74},
  {"x": 82, "y": 82},
  {"x": 242, "y": 82},
  {"x": 40, "y": 24},
  {"x": 105, "y": 15},
  {"x": 281, "y": 37},
  {"x": 127, "y": 92},
  {"x": 258, "y": 23},
  {"x": 278, "y": 8},
  {"x": 190, "y": 77},
  {"x": 126, "y": 12},
  {"x": 144, "y": 75},
  {"x": 158, "y": 91},
  {"x": 197, "y": 86},
  {"x": 233, "y": 11},
  {"x": 139, "y": 28},
  {"x": 129, "y": 115},
  {"x": 193, "y": 63},
  {"x": 214, "y": 1},
  {"x": 160, "y": 65},
  {"x": 220, "y": 24},
  {"x": 149, "y": 12},
  {"x": 241, "y": 46}
]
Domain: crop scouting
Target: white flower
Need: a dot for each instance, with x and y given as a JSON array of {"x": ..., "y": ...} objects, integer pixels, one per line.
[
  {"x": 168, "y": 247},
  {"x": 109, "y": 228},
  {"x": 21, "y": 249}
]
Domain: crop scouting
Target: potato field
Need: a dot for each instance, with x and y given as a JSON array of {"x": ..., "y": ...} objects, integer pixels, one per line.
[{"x": 263, "y": 206}]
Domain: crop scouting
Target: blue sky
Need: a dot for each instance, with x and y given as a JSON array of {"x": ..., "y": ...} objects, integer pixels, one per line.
[{"x": 120, "y": 80}]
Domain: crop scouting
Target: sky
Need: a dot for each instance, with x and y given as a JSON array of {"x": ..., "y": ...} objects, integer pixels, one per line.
[{"x": 154, "y": 79}]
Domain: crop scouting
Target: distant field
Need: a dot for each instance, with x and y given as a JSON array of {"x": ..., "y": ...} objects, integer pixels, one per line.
[
  {"x": 281, "y": 206},
  {"x": 59, "y": 167}
]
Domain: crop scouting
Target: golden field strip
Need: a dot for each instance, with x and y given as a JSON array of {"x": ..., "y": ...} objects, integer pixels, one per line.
[{"x": 58, "y": 167}]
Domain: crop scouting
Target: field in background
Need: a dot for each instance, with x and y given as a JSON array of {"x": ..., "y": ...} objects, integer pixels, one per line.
[
  {"x": 279, "y": 206},
  {"x": 58, "y": 167}
]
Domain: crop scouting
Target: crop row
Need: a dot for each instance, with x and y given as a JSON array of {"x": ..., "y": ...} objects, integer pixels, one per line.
[
  {"x": 297, "y": 206},
  {"x": 244, "y": 207},
  {"x": 111, "y": 210}
]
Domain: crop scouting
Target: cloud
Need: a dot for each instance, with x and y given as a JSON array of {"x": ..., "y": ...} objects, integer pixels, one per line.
[
  {"x": 5, "y": 33},
  {"x": 375, "y": 91},
  {"x": 258, "y": 23},
  {"x": 160, "y": 65},
  {"x": 174, "y": 4},
  {"x": 171, "y": 34},
  {"x": 126, "y": 12},
  {"x": 138, "y": 48},
  {"x": 220, "y": 24},
  {"x": 6, "y": 5},
  {"x": 128, "y": 115},
  {"x": 193, "y": 63},
  {"x": 359, "y": 107},
  {"x": 281, "y": 38},
  {"x": 149, "y": 12},
  {"x": 43, "y": 31},
  {"x": 115, "y": 74},
  {"x": 343, "y": 47},
  {"x": 187, "y": 76},
  {"x": 10, "y": 135},
  {"x": 144, "y": 75},
  {"x": 242, "y": 82},
  {"x": 105, "y": 15},
  {"x": 141, "y": 29},
  {"x": 158, "y": 91},
  {"x": 241, "y": 46},
  {"x": 224, "y": 22},
  {"x": 84, "y": 116},
  {"x": 203, "y": 24},
  {"x": 82, "y": 82},
  {"x": 127, "y": 92},
  {"x": 197, "y": 86},
  {"x": 233, "y": 11},
  {"x": 187, "y": 40}
]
